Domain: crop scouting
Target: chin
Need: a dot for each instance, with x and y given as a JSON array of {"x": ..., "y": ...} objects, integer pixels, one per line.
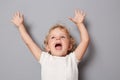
[{"x": 59, "y": 54}]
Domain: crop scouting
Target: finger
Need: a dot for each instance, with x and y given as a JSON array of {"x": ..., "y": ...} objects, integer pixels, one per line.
[
  {"x": 76, "y": 12},
  {"x": 16, "y": 14},
  {"x": 21, "y": 15},
  {"x": 84, "y": 14},
  {"x": 80, "y": 12},
  {"x": 13, "y": 15},
  {"x": 12, "y": 21},
  {"x": 71, "y": 19}
]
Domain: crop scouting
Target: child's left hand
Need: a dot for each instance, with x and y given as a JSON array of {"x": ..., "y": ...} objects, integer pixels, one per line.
[{"x": 79, "y": 17}]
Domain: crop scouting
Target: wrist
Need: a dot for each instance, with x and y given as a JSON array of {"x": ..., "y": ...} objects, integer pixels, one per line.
[
  {"x": 80, "y": 23},
  {"x": 21, "y": 26}
]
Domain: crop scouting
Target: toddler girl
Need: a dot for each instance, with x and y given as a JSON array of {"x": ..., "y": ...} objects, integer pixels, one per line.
[{"x": 60, "y": 60}]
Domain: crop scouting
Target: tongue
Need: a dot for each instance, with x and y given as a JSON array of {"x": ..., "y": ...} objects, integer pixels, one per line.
[{"x": 58, "y": 47}]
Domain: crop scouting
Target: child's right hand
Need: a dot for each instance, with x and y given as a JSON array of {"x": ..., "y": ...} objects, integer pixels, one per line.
[{"x": 18, "y": 19}]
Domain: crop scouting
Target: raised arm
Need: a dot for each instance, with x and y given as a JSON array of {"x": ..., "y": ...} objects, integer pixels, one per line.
[
  {"x": 78, "y": 20},
  {"x": 18, "y": 20}
]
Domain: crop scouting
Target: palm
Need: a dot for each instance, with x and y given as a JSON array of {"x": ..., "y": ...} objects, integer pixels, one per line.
[
  {"x": 79, "y": 17},
  {"x": 18, "y": 19}
]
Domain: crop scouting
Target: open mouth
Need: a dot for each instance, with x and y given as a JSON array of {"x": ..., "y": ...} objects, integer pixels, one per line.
[{"x": 58, "y": 46}]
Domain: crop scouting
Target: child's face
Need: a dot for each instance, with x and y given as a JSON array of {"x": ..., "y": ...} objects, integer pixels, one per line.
[{"x": 58, "y": 42}]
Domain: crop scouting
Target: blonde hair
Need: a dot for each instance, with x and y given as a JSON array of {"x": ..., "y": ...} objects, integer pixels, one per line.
[{"x": 72, "y": 40}]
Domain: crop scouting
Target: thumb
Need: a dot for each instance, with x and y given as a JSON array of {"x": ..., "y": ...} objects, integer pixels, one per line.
[{"x": 70, "y": 18}]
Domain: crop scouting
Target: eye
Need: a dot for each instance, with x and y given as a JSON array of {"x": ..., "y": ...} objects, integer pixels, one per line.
[
  {"x": 52, "y": 37},
  {"x": 62, "y": 36}
]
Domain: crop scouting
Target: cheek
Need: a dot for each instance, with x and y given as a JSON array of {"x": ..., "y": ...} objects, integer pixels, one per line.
[
  {"x": 50, "y": 43},
  {"x": 66, "y": 43}
]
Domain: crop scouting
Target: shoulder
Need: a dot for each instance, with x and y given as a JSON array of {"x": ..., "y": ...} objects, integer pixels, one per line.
[
  {"x": 44, "y": 56},
  {"x": 73, "y": 57}
]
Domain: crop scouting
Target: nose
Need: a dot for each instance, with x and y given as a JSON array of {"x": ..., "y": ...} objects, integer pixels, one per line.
[{"x": 57, "y": 38}]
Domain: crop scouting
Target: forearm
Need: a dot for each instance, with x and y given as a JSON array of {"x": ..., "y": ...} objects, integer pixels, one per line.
[
  {"x": 29, "y": 42},
  {"x": 83, "y": 32},
  {"x": 81, "y": 48},
  {"x": 24, "y": 34}
]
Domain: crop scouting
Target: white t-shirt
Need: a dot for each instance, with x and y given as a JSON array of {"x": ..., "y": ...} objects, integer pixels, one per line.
[{"x": 58, "y": 68}]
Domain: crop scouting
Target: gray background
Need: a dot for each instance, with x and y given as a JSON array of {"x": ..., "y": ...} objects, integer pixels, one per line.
[{"x": 101, "y": 61}]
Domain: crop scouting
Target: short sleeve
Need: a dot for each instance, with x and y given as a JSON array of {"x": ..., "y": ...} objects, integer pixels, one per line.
[
  {"x": 72, "y": 55},
  {"x": 43, "y": 57}
]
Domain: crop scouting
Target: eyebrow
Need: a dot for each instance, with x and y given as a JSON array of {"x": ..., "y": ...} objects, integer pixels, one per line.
[{"x": 60, "y": 35}]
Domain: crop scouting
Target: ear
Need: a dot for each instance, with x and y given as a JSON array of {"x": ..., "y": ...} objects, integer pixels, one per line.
[
  {"x": 70, "y": 47},
  {"x": 47, "y": 48}
]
